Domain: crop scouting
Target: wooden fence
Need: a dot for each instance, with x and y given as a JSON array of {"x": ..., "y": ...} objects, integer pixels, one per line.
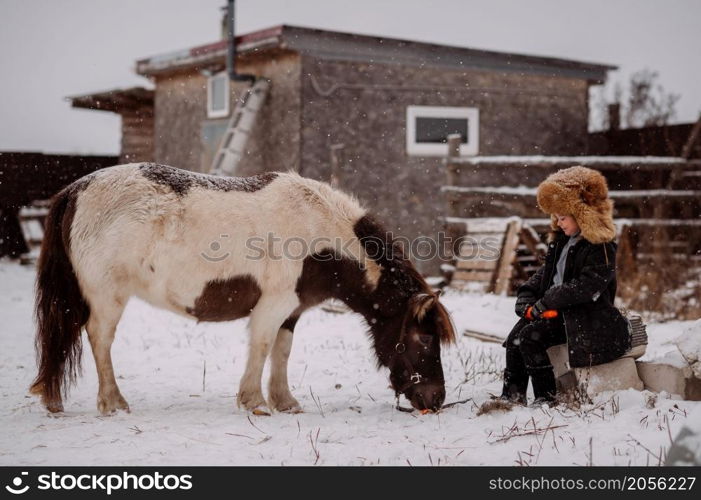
[
  {"x": 491, "y": 202},
  {"x": 28, "y": 177}
]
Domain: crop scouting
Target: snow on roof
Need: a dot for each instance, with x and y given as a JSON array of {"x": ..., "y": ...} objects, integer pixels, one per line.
[
  {"x": 206, "y": 53},
  {"x": 531, "y": 191},
  {"x": 519, "y": 190},
  {"x": 582, "y": 160},
  {"x": 501, "y": 221},
  {"x": 659, "y": 222}
]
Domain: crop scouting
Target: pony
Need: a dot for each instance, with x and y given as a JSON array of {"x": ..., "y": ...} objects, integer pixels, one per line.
[{"x": 216, "y": 248}]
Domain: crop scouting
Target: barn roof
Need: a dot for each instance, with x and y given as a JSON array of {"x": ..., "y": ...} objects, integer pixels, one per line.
[
  {"x": 115, "y": 100},
  {"x": 335, "y": 45}
]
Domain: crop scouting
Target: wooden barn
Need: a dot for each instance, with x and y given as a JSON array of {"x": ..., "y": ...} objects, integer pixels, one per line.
[{"x": 370, "y": 114}]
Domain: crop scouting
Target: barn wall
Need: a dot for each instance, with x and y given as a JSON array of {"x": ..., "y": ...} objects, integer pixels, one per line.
[
  {"x": 309, "y": 110},
  {"x": 137, "y": 135},
  {"x": 520, "y": 114},
  {"x": 186, "y": 138},
  {"x": 180, "y": 104},
  {"x": 275, "y": 141}
]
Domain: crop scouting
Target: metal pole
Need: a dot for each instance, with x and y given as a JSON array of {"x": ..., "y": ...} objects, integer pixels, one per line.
[
  {"x": 231, "y": 37},
  {"x": 231, "y": 45}
]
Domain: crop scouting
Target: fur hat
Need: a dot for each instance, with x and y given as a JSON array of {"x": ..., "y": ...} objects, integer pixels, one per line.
[{"x": 582, "y": 193}]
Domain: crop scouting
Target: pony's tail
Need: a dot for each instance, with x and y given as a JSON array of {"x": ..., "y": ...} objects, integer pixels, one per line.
[{"x": 60, "y": 309}]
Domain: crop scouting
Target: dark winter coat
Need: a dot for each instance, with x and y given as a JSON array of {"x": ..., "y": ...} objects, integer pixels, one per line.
[{"x": 596, "y": 331}]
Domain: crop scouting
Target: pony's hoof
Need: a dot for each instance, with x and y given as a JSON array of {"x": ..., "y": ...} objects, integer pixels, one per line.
[
  {"x": 292, "y": 410},
  {"x": 285, "y": 404},
  {"x": 261, "y": 411},
  {"x": 288, "y": 407},
  {"x": 54, "y": 406},
  {"x": 251, "y": 401},
  {"x": 110, "y": 406}
]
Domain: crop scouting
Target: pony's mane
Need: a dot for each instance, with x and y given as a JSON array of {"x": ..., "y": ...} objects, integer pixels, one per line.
[
  {"x": 448, "y": 331},
  {"x": 400, "y": 280}
]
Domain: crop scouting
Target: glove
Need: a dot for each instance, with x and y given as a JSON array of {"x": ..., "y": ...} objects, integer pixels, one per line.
[
  {"x": 522, "y": 303},
  {"x": 548, "y": 314},
  {"x": 538, "y": 309}
]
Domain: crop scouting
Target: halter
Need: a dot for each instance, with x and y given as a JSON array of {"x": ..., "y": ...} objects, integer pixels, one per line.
[{"x": 400, "y": 348}]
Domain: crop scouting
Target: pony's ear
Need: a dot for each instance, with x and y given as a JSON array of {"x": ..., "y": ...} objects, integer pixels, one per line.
[{"x": 423, "y": 303}]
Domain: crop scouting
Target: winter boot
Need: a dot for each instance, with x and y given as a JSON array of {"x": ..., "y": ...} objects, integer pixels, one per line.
[
  {"x": 515, "y": 377},
  {"x": 544, "y": 388},
  {"x": 515, "y": 385}
]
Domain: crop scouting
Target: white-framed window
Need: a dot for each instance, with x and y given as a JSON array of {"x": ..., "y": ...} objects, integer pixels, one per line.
[
  {"x": 218, "y": 95},
  {"x": 428, "y": 127}
]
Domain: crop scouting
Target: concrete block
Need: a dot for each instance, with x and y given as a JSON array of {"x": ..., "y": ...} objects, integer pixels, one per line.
[
  {"x": 619, "y": 374},
  {"x": 673, "y": 379},
  {"x": 559, "y": 359}
]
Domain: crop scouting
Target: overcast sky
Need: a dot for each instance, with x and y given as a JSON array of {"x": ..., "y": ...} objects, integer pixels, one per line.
[{"x": 52, "y": 49}]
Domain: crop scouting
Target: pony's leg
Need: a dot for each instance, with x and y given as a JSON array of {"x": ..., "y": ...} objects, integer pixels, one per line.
[
  {"x": 279, "y": 394},
  {"x": 266, "y": 318},
  {"x": 101, "y": 327}
]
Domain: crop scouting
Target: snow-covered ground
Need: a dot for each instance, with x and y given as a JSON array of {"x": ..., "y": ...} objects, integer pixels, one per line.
[{"x": 181, "y": 377}]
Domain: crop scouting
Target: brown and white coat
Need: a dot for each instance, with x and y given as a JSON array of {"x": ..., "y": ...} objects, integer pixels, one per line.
[{"x": 218, "y": 249}]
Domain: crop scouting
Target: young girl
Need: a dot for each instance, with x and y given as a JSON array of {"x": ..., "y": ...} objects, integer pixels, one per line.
[{"x": 570, "y": 298}]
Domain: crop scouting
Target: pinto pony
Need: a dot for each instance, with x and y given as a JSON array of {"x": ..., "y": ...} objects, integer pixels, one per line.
[{"x": 218, "y": 249}]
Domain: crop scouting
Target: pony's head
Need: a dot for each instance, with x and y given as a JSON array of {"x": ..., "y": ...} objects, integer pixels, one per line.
[
  {"x": 412, "y": 351},
  {"x": 407, "y": 321}
]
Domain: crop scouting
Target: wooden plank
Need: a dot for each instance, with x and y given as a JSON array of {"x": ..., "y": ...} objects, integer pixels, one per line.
[
  {"x": 477, "y": 264},
  {"x": 527, "y": 194},
  {"x": 642, "y": 256},
  {"x": 531, "y": 240},
  {"x": 602, "y": 163},
  {"x": 478, "y": 251},
  {"x": 670, "y": 244},
  {"x": 508, "y": 253},
  {"x": 476, "y": 235},
  {"x": 483, "y": 336},
  {"x": 488, "y": 225},
  {"x": 474, "y": 275}
]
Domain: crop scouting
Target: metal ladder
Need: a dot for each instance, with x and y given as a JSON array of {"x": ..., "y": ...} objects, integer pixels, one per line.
[{"x": 233, "y": 144}]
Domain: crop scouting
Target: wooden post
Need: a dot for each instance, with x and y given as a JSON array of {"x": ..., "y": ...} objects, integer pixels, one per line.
[
  {"x": 452, "y": 170},
  {"x": 626, "y": 258},
  {"x": 454, "y": 141},
  {"x": 336, "y": 154},
  {"x": 614, "y": 116},
  {"x": 502, "y": 278},
  {"x": 691, "y": 141}
]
